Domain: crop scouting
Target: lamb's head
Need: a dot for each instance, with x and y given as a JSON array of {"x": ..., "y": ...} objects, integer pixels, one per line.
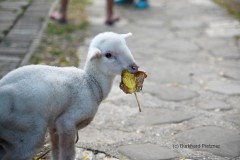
[{"x": 109, "y": 54}]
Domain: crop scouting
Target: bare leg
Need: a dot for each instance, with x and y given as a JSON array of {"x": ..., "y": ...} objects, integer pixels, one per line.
[
  {"x": 110, "y": 17},
  {"x": 54, "y": 142},
  {"x": 63, "y": 9},
  {"x": 61, "y": 15}
]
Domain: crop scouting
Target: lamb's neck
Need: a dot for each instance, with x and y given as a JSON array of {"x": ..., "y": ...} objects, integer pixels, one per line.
[{"x": 104, "y": 81}]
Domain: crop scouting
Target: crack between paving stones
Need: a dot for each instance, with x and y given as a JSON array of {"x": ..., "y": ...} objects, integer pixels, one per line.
[
  {"x": 96, "y": 151},
  {"x": 231, "y": 58},
  {"x": 38, "y": 38},
  {"x": 24, "y": 9}
]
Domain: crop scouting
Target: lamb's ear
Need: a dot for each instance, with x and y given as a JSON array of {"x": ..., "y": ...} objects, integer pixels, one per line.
[
  {"x": 94, "y": 53},
  {"x": 126, "y": 35}
]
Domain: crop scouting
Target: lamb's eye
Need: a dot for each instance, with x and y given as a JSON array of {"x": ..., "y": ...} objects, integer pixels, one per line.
[{"x": 108, "y": 55}]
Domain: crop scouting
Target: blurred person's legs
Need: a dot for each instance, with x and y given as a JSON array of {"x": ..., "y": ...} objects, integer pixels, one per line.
[
  {"x": 111, "y": 18},
  {"x": 61, "y": 15}
]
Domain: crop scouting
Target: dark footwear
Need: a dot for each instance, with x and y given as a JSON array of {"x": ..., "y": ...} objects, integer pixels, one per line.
[
  {"x": 55, "y": 16},
  {"x": 111, "y": 21}
]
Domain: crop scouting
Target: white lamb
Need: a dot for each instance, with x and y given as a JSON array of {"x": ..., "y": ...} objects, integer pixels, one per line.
[{"x": 37, "y": 98}]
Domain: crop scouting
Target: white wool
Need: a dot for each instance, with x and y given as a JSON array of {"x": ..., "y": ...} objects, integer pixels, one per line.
[{"x": 35, "y": 98}]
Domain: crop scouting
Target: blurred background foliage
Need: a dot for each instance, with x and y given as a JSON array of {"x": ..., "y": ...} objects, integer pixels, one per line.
[
  {"x": 233, "y": 6},
  {"x": 61, "y": 41}
]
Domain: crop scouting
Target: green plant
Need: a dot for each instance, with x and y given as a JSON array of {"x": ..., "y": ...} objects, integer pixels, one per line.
[
  {"x": 233, "y": 6},
  {"x": 61, "y": 41}
]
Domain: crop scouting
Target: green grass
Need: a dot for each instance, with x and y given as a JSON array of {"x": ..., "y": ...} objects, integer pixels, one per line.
[
  {"x": 237, "y": 37},
  {"x": 233, "y": 6},
  {"x": 61, "y": 41},
  {"x": 56, "y": 29}
]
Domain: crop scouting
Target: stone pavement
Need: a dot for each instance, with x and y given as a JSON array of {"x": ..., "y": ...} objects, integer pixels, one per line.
[
  {"x": 191, "y": 98},
  {"x": 21, "y": 26}
]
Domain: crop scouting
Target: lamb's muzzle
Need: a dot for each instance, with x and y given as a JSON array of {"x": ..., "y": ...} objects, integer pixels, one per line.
[{"x": 133, "y": 68}]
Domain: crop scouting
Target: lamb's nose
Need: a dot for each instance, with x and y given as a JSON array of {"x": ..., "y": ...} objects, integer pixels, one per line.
[{"x": 133, "y": 68}]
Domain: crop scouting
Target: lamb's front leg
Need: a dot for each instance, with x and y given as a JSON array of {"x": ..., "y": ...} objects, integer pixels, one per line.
[
  {"x": 54, "y": 143},
  {"x": 66, "y": 130}
]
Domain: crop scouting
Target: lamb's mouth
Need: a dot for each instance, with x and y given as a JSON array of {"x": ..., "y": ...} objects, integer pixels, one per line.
[{"x": 133, "y": 68}]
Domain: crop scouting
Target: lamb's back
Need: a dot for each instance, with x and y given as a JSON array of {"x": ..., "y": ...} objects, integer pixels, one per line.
[
  {"x": 35, "y": 73},
  {"x": 41, "y": 88}
]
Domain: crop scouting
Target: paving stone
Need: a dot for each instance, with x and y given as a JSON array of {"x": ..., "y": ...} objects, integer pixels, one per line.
[
  {"x": 186, "y": 23},
  {"x": 38, "y": 11},
  {"x": 169, "y": 74},
  {"x": 8, "y": 59},
  {"x": 7, "y": 64},
  {"x": 172, "y": 77},
  {"x": 162, "y": 116},
  {"x": 1, "y": 36},
  {"x": 105, "y": 136},
  {"x": 150, "y": 23},
  {"x": 224, "y": 87},
  {"x": 33, "y": 19},
  {"x": 13, "y": 51},
  {"x": 181, "y": 56},
  {"x": 235, "y": 118},
  {"x": 146, "y": 100},
  {"x": 42, "y": 2},
  {"x": 223, "y": 28},
  {"x": 23, "y": 31},
  {"x": 6, "y": 12},
  {"x": 15, "y": 44},
  {"x": 212, "y": 43},
  {"x": 148, "y": 152},
  {"x": 227, "y": 141},
  {"x": 4, "y": 26},
  {"x": 234, "y": 73},
  {"x": 188, "y": 33},
  {"x": 226, "y": 52},
  {"x": 20, "y": 37},
  {"x": 175, "y": 10},
  {"x": 178, "y": 45},
  {"x": 14, "y": 5},
  {"x": 22, "y": 25},
  {"x": 169, "y": 93},
  {"x": 109, "y": 112},
  {"x": 7, "y": 17},
  {"x": 205, "y": 3},
  {"x": 208, "y": 104}
]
